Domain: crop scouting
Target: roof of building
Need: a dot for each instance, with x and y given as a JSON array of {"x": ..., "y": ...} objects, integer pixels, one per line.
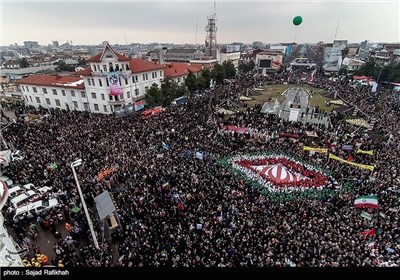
[
  {"x": 138, "y": 65},
  {"x": 181, "y": 51},
  {"x": 179, "y": 69},
  {"x": 53, "y": 81},
  {"x": 98, "y": 57}
]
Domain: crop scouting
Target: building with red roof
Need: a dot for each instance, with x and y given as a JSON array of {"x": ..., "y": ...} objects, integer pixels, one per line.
[
  {"x": 112, "y": 81},
  {"x": 179, "y": 71}
]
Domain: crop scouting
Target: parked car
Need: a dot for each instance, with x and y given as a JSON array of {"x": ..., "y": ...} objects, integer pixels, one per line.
[
  {"x": 18, "y": 190},
  {"x": 29, "y": 196},
  {"x": 7, "y": 180},
  {"x": 38, "y": 207}
]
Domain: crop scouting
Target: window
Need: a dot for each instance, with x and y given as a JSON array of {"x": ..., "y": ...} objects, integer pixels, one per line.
[
  {"x": 30, "y": 97},
  {"x": 93, "y": 95},
  {"x": 23, "y": 89},
  {"x": 133, "y": 79},
  {"x": 83, "y": 94},
  {"x": 110, "y": 96},
  {"x": 37, "y": 100},
  {"x": 146, "y": 89},
  {"x": 137, "y": 78},
  {"x": 104, "y": 68},
  {"x": 179, "y": 80},
  {"x": 154, "y": 75},
  {"x": 75, "y": 104},
  {"x": 144, "y": 77},
  {"x": 34, "y": 89},
  {"x": 105, "y": 108},
  {"x": 27, "y": 89},
  {"x": 122, "y": 95},
  {"x": 137, "y": 92},
  {"x": 54, "y": 91},
  {"x": 86, "y": 106},
  {"x": 57, "y": 102},
  {"x": 48, "y": 101},
  {"x": 126, "y": 81},
  {"x": 63, "y": 92},
  {"x": 93, "y": 84},
  {"x": 102, "y": 96},
  {"x": 72, "y": 93},
  {"x": 100, "y": 83},
  {"x": 89, "y": 83},
  {"x": 128, "y": 94},
  {"x": 45, "y": 91},
  {"x": 161, "y": 74},
  {"x": 96, "y": 107}
]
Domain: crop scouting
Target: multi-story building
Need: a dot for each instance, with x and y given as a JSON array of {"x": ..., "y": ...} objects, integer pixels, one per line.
[
  {"x": 112, "y": 81},
  {"x": 54, "y": 91},
  {"x": 267, "y": 61},
  {"x": 179, "y": 71}
]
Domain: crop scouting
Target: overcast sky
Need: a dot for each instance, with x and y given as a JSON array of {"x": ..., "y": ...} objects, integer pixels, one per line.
[{"x": 175, "y": 22}]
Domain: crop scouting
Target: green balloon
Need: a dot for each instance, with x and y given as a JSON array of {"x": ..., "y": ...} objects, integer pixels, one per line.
[{"x": 297, "y": 20}]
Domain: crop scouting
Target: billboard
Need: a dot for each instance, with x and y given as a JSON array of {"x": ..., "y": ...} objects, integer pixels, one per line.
[
  {"x": 139, "y": 105},
  {"x": 113, "y": 81},
  {"x": 232, "y": 48}
]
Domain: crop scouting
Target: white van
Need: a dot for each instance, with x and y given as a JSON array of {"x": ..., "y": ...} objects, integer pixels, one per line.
[
  {"x": 6, "y": 180},
  {"x": 29, "y": 196},
  {"x": 37, "y": 207},
  {"x": 18, "y": 190}
]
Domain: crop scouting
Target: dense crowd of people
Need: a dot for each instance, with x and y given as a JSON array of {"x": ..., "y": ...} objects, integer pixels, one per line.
[{"x": 184, "y": 211}]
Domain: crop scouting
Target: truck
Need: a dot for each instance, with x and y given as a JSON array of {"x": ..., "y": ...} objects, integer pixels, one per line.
[{"x": 179, "y": 100}]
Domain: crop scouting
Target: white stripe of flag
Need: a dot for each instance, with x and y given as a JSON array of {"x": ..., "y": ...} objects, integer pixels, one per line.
[{"x": 366, "y": 202}]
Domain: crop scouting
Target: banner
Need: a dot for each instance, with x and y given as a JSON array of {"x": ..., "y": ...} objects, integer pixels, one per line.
[
  {"x": 113, "y": 81},
  {"x": 347, "y": 147},
  {"x": 104, "y": 173},
  {"x": 366, "y": 215},
  {"x": 364, "y": 166},
  {"x": 236, "y": 128},
  {"x": 370, "y": 152},
  {"x": 318, "y": 150},
  {"x": 139, "y": 105},
  {"x": 289, "y": 135}
]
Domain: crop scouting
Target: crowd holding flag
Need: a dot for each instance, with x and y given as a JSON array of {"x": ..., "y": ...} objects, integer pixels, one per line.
[
  {"x": 370, "y": 232},
  {"x": 366, "y": 202}
]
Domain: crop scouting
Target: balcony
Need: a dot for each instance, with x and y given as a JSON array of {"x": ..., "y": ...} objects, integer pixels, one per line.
[{"x": 118, "y": 102}]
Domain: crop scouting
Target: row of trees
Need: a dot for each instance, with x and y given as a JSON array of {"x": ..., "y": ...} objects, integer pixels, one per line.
[
  {"x": 387, "y": 73},
  {"x": 170, "y": 89},
  {"x": 168, "y": 92}
]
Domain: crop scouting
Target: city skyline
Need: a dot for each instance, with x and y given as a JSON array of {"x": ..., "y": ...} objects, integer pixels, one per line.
[{"x": 90, "y": 23}]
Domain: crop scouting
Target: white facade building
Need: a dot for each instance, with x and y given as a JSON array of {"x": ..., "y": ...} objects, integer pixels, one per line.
[
  {"x": 233, "y": 56},
  {"x": 90, "y": 89}
]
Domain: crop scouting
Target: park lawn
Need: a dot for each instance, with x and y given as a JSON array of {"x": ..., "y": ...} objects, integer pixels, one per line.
[{"x": 275, "y": 91}]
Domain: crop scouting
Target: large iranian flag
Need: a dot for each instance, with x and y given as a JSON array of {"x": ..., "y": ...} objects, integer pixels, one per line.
[{"x": 366, "y": 202}]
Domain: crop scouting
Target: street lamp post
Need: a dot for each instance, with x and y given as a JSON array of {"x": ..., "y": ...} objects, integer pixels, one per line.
[
  {"x": 73, "y": 165},
  {"x": 1, "y": 134}
]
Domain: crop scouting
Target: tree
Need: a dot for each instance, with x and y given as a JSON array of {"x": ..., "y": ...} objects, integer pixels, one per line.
[
  {"x": 206, "y": 75},
  {"x": 62, "y": 66},
  {"x": 191, "y": 82},
  {"x": 246, "y": 66},
  {"x": 154, "y": 95},
  {"x": 230, "y": 70},
  {"x": 168, "y": 90},
  {"x": 23, "y": 63},
  {"x": 218, "y": 73},
  {"x": 81, "y": 62},
  {"x": 181, "y": 90}
]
